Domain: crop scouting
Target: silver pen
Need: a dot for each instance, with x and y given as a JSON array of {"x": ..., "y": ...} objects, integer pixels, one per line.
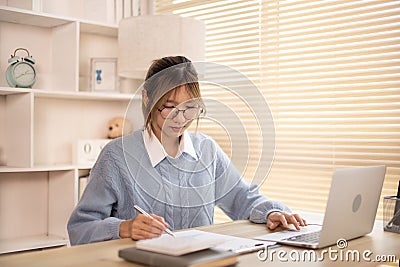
[{"x": 139, "y": 209}]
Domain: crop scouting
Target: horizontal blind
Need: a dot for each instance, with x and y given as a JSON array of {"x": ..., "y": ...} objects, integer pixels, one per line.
[
  {"x": 331, "y": 73},
  {"x": 232, "y": 39}
]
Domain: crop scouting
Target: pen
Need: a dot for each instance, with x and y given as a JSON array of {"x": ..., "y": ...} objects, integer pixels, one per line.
[{"x": 139, "y": 209}]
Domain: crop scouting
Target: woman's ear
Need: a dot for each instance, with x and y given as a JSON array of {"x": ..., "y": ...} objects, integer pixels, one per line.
[{"x": 145, "y": 98}]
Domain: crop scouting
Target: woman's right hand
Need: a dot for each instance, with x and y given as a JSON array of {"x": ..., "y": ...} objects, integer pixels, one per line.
[{"x": 143, "y": 227}]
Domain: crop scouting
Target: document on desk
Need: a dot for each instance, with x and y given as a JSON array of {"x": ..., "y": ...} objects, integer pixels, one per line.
[
  {"x": 240, "y": 245},
  {"x": 195, "y": 240}
]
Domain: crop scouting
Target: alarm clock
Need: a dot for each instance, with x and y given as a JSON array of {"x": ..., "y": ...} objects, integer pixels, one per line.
[{"x": 21, "y": 71}]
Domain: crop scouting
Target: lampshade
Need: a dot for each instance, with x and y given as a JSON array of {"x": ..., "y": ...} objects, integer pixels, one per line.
[{"x": 142, "y": 39}]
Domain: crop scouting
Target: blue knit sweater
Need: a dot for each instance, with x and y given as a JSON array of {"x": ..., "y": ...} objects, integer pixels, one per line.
[{"x": 183, "y": 190}]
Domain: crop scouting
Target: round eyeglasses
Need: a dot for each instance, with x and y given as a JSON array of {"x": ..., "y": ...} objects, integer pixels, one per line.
[{"x": 188, "y": 113}]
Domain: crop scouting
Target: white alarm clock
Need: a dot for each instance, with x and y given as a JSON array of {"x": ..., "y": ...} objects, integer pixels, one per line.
[{"x": 21, "y": 71}]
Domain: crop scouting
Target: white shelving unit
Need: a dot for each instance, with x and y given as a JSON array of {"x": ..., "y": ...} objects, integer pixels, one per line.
[{"x": 39, "y": 126}]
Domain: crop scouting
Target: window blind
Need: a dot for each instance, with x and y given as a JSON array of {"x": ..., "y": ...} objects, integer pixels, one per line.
[
  {"x": 330, "y": 72},
  {"x": 232, "y": 39}
]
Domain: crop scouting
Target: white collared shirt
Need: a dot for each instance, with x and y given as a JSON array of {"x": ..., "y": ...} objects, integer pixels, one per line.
[{"x": 156, "y": 151}]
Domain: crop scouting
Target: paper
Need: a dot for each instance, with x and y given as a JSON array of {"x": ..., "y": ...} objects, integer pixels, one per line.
[
  {"x": 184, "y": 242},
  {"x": 194, "y": 240},
  {"x": 241, "y": 245}
]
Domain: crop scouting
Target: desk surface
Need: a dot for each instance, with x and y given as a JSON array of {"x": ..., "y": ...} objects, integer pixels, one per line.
[{"x": 106, "y": 253}]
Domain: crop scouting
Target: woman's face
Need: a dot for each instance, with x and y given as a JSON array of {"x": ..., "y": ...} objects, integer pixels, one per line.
[{"x": 167, "y": 127}]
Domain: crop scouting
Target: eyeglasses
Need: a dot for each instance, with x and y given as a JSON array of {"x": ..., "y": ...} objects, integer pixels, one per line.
[{"x": 188, "y": 113}]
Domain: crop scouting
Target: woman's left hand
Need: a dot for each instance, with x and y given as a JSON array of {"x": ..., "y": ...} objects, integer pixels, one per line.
[{"x": 277, "y": 218}]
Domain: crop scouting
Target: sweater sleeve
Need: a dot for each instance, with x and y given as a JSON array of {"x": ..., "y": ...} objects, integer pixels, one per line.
[
  {"x": 91, "y": 219},
  {"x": 238, "y": 198}
]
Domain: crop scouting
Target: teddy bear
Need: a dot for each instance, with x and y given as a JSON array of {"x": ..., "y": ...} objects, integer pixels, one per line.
[{"x": 117, "y": 127}]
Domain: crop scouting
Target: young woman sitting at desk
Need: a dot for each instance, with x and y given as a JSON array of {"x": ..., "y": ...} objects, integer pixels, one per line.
[{"x": 177, "y": 176}]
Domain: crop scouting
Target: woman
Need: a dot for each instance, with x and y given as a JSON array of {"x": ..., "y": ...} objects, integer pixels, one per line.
[{"x": 177, "y": 176}]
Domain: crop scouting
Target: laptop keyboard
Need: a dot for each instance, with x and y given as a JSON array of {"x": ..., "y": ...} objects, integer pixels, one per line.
[{"x": 311, "y": 237}]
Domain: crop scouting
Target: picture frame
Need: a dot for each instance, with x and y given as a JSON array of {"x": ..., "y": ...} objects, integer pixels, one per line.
[{"x": 103, "y": 75}]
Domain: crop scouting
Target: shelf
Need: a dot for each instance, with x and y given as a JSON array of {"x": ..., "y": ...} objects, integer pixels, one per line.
[
  {"x": 13, "y": 91},
  {"x": 69, "y": 95},
  {"x": 52, "y": 168},
  {"x": 97, "y": 27},
  {"x": 84, "y": 167},
  {"x": 8, "y": 169},
  {"x": 83, "y": 95},
  {"x": 39, "y": 179},
  {"x": 31, "y": 242},
  {"x": 27, "y": 17}
]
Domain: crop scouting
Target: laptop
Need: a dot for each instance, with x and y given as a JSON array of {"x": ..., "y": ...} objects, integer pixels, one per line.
[{"x": 350, "y": 212}]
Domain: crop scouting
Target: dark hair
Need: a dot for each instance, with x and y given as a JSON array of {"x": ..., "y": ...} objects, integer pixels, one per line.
[
  {"x": 163, "y": 76},
  {"x": 161, "y": 64}
]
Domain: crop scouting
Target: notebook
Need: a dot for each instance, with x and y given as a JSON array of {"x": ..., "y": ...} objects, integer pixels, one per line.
[
  {"x": 202, "y": 258},
  {"x": 350, "y": 211},
  {"x": 184, "y": 242}
]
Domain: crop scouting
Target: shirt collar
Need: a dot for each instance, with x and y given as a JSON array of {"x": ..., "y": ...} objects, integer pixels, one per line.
[{"x": 156, "y": 151}]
